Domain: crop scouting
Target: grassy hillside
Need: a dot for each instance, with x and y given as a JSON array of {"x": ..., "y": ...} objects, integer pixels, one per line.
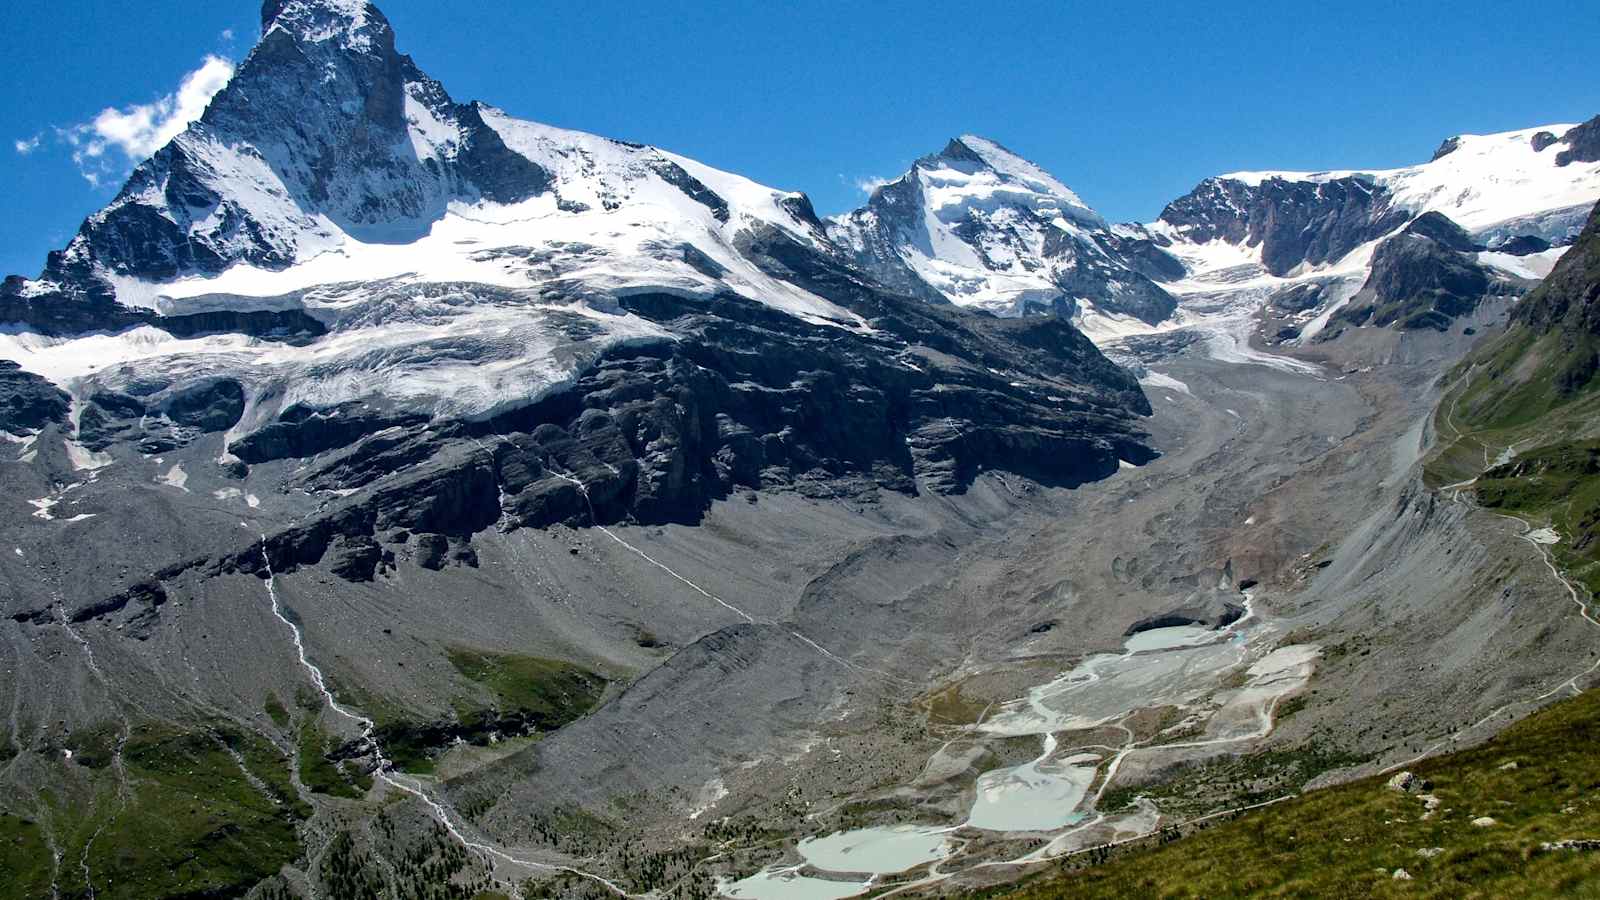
[
  {"x": 1520, "y": 426},
  {"x": 1535, "y": 385},
  {"x": 193, "y": 813},
  {"x": 1557, "y": 486},
  {"x": 1520, "y": 391},
  {"x": 1538, "y": 781}
]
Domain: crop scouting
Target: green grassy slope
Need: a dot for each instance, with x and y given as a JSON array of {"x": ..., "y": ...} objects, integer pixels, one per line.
[
  {"x": 196, "y": 813},
  {"x": 1539, "y": 781},
  {"x": 1520, "y": 426}
]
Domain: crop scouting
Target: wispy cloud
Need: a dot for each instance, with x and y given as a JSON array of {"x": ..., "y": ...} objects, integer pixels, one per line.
[
  {"x": 227, "y": 35},
  {"x": 870, "y": 183},
  {"x": 866, "y": 184},
  {"x": 117, "y": 139},
  {"x": 29, "y": 145}
]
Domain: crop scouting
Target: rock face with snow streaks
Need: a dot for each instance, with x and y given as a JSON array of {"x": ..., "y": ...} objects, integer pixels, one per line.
[
  {"x": 442, "y": 314},
  {"x": 977, "y": 225},
  {"x": 1319, "y": 253},
  {"x": 1427, "y": 276},
  {"x": 1292, "y": 222}
]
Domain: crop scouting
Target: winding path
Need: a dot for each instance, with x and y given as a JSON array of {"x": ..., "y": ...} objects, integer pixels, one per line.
[{"x": 1569, "y": 684}]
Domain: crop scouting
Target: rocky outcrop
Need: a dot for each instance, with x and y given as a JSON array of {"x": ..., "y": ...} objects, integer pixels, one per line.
[
  {"x": 1583, "y": 144},
  {"x": 1524, "y": 245},
  {"x": 79, "y": 303},
  {"x": 1425, "y": 277},
  {"x": 27, "y": 401},
  {"x": 1297, "y": 298},
  {"x": 1293, "y": 222},
  {"x": 1568, "y": 300}
]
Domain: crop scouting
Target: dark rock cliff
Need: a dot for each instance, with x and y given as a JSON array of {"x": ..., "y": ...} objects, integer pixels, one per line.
[{"x": 1293, "y": 222}]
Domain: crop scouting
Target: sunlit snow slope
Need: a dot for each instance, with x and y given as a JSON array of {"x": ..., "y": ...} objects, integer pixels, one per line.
[
  {"x": 439, "y": 256},
  {"x": 977, "y": 225},
  {"x": 1306, "y": 242}
]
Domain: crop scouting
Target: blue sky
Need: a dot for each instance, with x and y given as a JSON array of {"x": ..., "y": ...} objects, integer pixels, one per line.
[{"x": 1130, "y": 104}]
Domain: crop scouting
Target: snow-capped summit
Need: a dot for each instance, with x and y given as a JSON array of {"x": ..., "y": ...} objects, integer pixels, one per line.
[
  {"x": 978, "y": 225},
  {"x": 1330, "y": 250},
  {"x": 325, "y": 134},
  {"x": 345, "y": 249},
  {"x": 1538, "y": 182},
  {"x": 332, "y": 156},
  {"x": 993, "y": 172},
  {"x": 331, "y": 177}
]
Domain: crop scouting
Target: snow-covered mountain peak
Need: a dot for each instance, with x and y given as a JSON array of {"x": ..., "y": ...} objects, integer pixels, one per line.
[
  {"x": 1015, "y": 171},
  {"x": 440, "y": 257},
  {"x": 978, "y": 225},
  {"x": 975, "y": 174},
  {"x": 1332, "y": 249},
  {"x": 355, "y": 23}
]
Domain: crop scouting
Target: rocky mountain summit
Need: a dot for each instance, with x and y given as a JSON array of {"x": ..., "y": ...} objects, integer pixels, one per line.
[
  {"x": 456, "y": 319},
  {"x": 977, "y": 225},
  {"x": 1292, "y": 222}
]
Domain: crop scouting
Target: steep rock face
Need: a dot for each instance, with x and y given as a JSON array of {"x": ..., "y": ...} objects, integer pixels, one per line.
[
  {"x": 1568, "y": 300},
  {"x": 1582, "y": 144},
  {"x": 977, "y": 225},
  {"x": 325, "y": 130},
  {"x": 1424, "y": 277},
  {"x": 28, "y": 402},
  {"x": 1292, "y": 222},
  {"x": 744, "y": 398}
]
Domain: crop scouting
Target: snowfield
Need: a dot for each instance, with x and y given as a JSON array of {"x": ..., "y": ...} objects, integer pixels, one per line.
[{"x": 1486, "y": 180}]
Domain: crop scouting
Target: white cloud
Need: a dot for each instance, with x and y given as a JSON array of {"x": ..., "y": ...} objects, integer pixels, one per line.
[
  {"x": 117, "y": 139},
  {"x": 227, "y": 35},
  {"x": 869, "y": 184},
  {"x": 25, "y": 147}
]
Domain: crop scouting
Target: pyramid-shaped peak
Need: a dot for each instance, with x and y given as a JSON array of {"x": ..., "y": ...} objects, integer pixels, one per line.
[
  {"x": 996, "y": 157},
  {"x": 320, "y": 20}
]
